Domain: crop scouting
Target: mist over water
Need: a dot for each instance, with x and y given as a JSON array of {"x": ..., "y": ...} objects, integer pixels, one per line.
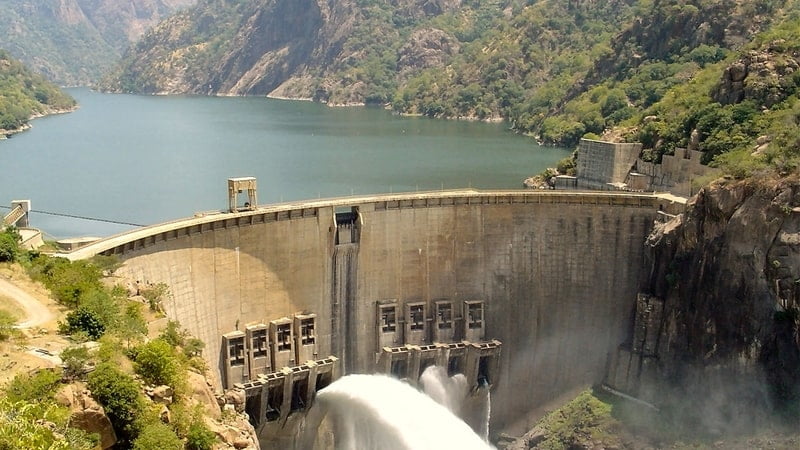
[
  {"x": 147, "y": 159},
  {"x": 380, "y": 412},
  {"x": 449, "y": 392}
]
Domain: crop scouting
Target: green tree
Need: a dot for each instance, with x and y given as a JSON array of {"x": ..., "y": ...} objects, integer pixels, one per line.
[
  {"x": 120, "y": 395},
  {"x": 25, "y": 425},
  {"x": 39, "y": 387},
  {"x": 132, "y": 325},
  {"x": 9, "y": 244},
  {"x": 85, "y": 321},
  {"x": 157, "y": 363}
]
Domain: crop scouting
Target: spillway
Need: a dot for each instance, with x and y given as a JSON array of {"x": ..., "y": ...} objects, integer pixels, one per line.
[{"x": 380, "y": 412}]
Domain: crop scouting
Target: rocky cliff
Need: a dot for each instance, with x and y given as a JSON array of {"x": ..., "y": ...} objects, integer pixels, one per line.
[
  {"x": 73, "y": 42},
  {"x": 715, "y": 332},
  {"x": 340, "y": 52}
]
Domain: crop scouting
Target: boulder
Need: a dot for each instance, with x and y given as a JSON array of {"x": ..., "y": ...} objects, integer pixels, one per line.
[
  {"x": 235, "y": 433},
  {"x": 162, "y": 394},
  {"x": 86, "y": 414},
  {"x": 202, "y": 394},
  {"x": 237, "y": 398}
]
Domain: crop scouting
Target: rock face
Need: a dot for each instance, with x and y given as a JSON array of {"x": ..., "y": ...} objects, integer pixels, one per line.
[
  {"x": 425, "y": 48},
  {"x": 73, "y": 42},
  {"x": 86, "y": 414},
  {"x": 763, "y": 76},
  {"x": 284, "y": 48},
  {"x": 716, "y": 326}
]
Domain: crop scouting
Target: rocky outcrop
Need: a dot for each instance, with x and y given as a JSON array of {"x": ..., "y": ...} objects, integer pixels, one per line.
[
  {"x": 86, "y": 414},
  {"x": 302, "y": 49},
  {"x": 716, "y": 328},
  {"x": 73, "y": 42},
  {"x": 418, "y": 9},
  {"x": 426, "y": 48},
  {"x": 764, "y": 76}
]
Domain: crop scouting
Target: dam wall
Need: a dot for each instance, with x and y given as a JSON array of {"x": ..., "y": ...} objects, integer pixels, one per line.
[{"x": 552, "y": 275}]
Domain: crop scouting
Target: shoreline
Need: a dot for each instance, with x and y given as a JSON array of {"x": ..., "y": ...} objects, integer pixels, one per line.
[{"x": 7, "y": 134}]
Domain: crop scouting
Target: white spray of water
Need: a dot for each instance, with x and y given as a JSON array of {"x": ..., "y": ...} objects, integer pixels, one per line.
[
  {"x": 488, "y": 409},
  {"x": 379, "y": 412},
  {"x": 447, "y": 391}
]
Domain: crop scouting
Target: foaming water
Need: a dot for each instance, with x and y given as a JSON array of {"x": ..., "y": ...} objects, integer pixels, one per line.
[
  {"x": 379, "y": 412},
  {"x": 445, "y": 390}
]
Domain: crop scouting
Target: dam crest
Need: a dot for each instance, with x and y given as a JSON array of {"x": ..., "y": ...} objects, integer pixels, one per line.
[{"x": 289, "y": 297}]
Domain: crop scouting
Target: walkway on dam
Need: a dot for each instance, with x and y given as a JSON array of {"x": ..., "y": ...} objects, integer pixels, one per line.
[{"x": 200, "y": 218}]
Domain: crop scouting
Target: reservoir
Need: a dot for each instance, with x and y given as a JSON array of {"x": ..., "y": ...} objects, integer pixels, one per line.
[{"x": 145, "y": 159}]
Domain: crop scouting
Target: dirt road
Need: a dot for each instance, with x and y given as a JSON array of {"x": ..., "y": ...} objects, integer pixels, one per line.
[{"x": 36, "y": 313}]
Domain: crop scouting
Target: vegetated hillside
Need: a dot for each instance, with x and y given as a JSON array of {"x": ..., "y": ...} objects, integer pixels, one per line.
[
  {"x": 24, "y": 94},
  {"x": 74, "y": 42},
  {"x": 742, "y": 112},
  {"x": 343, "y": 51},
  {"x": 555, "y": 69}
]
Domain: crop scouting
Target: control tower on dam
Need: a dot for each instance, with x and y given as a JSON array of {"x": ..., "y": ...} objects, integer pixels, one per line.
[{"x": 526, "y": 291}]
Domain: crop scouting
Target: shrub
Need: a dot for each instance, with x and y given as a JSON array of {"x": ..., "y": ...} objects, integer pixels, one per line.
[
  {"x": 25, "y": 425},
  {"x": 83, "y": 320},
  {"x": 68, "y": 281},
  {"x": 200, "y": 437},
  {"x": 75, "y": 360},
  {"x": 131, "y": 326},
  {"x": 188, "y": 423},
  {"x": 173, "y": 334},
  {"x": 157, "y": 363},
  {"x": 7, "y": 322},
  {"x": 39, "y": 387},
  {"x": 157, "y": 436},
  {"x": 154, "y": 295},
  {"x": 9, "y": 245},
  {"x": 120, "y": 395}
]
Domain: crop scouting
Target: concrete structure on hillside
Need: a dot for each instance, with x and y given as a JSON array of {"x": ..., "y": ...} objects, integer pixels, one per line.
[
  {"x": 19, "y": 217},
  {"x": 675, "y": 174},
  {"x": 288, "y": 297},
  {"x": 617, "y": 166},
  {"x": 605, "y": 165}
]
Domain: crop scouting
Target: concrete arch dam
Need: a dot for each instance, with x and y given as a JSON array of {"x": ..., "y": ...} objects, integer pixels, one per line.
[{"x": 397, "y": 282}]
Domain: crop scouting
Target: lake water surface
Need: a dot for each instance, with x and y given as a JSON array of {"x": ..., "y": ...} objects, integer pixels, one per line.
[{"x": 144, "y": 159}]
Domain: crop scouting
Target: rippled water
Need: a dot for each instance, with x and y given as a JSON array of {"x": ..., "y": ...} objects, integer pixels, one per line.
[{"x": 144, "y": 159}]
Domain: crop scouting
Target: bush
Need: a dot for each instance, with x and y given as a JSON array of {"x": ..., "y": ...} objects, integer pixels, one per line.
[
  {"x": 39, "y": 387},
  {"x": 120, "y": 395},
  {"x": 157, "y": 436},
  {"x": 85, "y": 321},
  {"x": 9, "y": 245},
  {"x": 200, "y": 437},
  {"x": 157, "y": 363},
  {"x": 188, "y": 423},
  {"x": 7, "y": 322},
  {"x": 75, "y": 360},
  {"x": 132, "y": 325},
  {"x": 26, "y": 425},
  {"x": 68, "y": 281},
  {"x": 173, "y": 334},
  {"x": 154, "y": 295}
]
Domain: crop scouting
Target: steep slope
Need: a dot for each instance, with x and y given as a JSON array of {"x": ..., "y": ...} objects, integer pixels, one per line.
[
  {"x": 717, "y": 329},
  {"x": 552, "y": 68},
  {"x": 73, "y": 42},
  {"x": 24, "y": 94},
  {"x": 342, "y": 51}
]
